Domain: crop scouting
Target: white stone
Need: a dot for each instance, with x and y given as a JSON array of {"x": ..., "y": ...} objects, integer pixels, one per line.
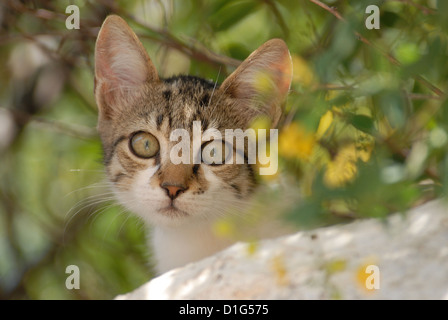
[{"x": 411, "y": 252}]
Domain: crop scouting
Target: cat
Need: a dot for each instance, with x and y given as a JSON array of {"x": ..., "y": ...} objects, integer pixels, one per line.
[{"x": 137, "y": 110}]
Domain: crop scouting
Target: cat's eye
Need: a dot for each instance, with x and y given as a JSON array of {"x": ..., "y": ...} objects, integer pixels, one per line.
[
  {"x": 144, "y": 145},
  {"x": 216, "y": 152}
]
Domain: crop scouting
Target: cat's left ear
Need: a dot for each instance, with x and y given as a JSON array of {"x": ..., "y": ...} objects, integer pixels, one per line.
[
  {"x": 122, "y": 65},
  {"x": 263, "y": 80}
]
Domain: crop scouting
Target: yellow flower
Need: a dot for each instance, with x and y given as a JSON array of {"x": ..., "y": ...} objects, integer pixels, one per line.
[
  {"x": 302, "y": 73},
  {"x": 342, "y": 169},
  {"x": 296, "y": 142}
]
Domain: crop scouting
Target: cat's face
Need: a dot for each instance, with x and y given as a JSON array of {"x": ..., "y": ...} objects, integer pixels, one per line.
[
  {"x": 138, "y": 113},
  {"x": 137, "y": 153}
]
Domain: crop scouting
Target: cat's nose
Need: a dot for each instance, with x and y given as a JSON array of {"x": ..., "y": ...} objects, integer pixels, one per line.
[{"x": 173, "y": 190}]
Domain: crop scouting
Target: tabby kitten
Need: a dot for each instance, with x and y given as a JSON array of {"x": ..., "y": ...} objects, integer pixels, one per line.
[{"x": 137, "y": 113}]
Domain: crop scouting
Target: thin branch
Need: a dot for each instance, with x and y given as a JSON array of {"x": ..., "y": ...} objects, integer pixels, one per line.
[
  {"x": 418, "y": 96},
  {"x": 423, "y": 9},
  {"x": 200, "y": 54},
  {"x": 332, "y": 10},
  {"x": 385, "y": 54},
  {"x": 76, "y": 131},
  {"x": 162, "y": 36},
  {"x": 168, "y": 39}
]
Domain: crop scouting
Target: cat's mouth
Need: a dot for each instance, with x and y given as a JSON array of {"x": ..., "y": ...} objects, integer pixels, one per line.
[{"x": 173, "y": 211}]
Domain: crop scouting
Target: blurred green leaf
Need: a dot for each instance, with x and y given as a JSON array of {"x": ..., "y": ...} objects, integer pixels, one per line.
[
  {"x": 385, "y": 135},
  {"x": 231, "y": 13},
  {"x": 362, "y": 122}
]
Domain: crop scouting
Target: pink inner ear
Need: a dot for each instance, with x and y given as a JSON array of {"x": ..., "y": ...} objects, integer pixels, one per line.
[
  {"x": 284, "y": 68},
  {"x": 120, "y": 59},
  {"x": 121, "y": 63},
  {"x": 273, "y": 59},
  {"x": 104, "y": 71}
]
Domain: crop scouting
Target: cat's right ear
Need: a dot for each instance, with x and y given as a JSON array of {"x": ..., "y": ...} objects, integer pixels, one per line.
[
  {"x": 262, "y": 81},
  {"x": 122, "y": 65}
]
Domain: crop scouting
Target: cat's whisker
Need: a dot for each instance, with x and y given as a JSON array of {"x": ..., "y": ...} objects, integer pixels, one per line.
[
  {"x": 83, "y": 206},
  {"x": 128, "y": 216},
  {"x": 89, "y": 200},
  {"x": 112, "y": 221},
  {"x": 91, "y": 186},
  {"x": 214, "y": 87}
]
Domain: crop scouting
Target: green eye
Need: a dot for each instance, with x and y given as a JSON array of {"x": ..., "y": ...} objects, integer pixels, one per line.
[
  {"x": 215, "y": 152},
  {"x": 144, "y": 145}
]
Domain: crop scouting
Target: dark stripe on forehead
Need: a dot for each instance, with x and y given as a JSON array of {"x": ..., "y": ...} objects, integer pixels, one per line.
[
  {"x": 166, "y": 95},
  {"x": 170, "y": 120},
  {"x": 204, "y": 124},
  {"x": 204, "y": 101},
  {"x": 159, "y": 121}
]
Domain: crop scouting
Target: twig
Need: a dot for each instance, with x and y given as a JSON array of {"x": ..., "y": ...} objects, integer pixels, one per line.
[
  {"x": 385, "y": 54},
  {"x": 332, "y": 10},
  {"x": 168, "y": 39},
  {"x": 204, "y": 55},
  {"x": 77, "y": 131},
  {"x": 423, "y": 9},
  {"x": 161, "y": 36},
  {"x": 418, "y": 96}
]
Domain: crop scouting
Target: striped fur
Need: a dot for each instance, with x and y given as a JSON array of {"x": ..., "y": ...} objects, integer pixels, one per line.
[{"x": 132, "y": 98}]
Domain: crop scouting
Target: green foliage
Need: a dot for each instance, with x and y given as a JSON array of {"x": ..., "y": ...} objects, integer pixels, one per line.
[{"x": 365, "y": 129}]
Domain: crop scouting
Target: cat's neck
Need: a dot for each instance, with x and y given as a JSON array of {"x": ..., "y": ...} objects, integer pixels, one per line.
[{"x": 175, "y": 246}]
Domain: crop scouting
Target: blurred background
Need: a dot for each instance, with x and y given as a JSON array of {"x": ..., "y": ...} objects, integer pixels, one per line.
[{"x": 365, "y": 130}]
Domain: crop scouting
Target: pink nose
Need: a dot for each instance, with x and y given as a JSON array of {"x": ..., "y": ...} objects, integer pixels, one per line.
[{"x": 173, "y": 190}]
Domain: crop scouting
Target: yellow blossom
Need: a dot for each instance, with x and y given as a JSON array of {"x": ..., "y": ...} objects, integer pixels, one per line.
[
  {"x": 342, "y": 169},
  {"x": 296, "y": 142},
  {"x": 302, "y": 73}
]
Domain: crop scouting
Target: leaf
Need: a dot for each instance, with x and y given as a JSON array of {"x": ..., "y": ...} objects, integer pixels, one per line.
[
  {"x": 407, "y": 53},
  {"x": 392, "y": 104},
  {"x": 362, "y": 122},
  {"x": 232, "y": 13}
]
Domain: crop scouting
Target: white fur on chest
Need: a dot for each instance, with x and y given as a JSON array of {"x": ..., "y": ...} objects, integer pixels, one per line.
[{"x": 176, "y": 246}]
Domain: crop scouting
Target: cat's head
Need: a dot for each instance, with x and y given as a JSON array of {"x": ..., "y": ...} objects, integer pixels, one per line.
[{"x": 138, "y": 111}]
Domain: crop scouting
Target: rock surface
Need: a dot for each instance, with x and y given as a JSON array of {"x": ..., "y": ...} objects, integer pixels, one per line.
[{"x": 407, "y": 255}]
